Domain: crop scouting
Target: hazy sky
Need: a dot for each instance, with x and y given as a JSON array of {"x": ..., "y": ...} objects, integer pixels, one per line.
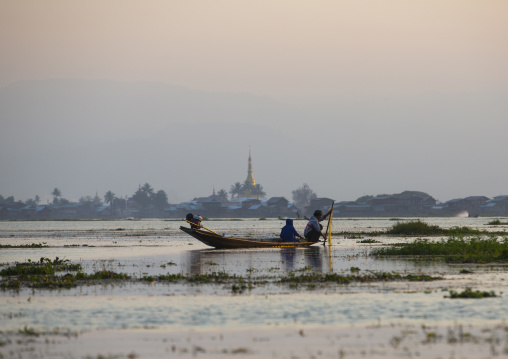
[
  {"x": 265, "y": 47},
  {"x": 402, "y": 95}
]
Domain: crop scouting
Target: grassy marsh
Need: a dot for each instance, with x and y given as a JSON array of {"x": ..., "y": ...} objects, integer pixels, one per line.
[
  {"x": 44, "y": 274},
  {"x": 419, "y": 228},
  {"x": 454, "y": 249}
]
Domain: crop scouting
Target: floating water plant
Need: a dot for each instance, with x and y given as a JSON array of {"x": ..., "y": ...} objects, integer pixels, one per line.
[
  {"x": 469, "y": 293},
  {"x": 353, "y": 236},
  {"x": 44, "y": 267},
  {"x": 346, "y": 279},
  {"x": 496, "y": 222},
  {"x": 32, "y": 245},
  {"x": 370, "y": 240},
  {"x": 104, "y": 274},
  {"x": 43, "y": 274},
  {"x": 215, "y": 277}
]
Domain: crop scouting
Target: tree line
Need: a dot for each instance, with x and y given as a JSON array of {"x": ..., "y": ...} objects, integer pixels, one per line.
[{"x": 146, "y": 196}]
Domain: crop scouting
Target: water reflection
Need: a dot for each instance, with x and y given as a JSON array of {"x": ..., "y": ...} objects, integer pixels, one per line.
[
  {"x": 314, "y": 258},
  {"x": 318, "y": 259},
  {"x": 263, "y": 261},
  {"x": 287, "y": 257}
]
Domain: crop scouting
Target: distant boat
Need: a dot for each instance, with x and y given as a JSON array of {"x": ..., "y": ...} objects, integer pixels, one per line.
[{"x": 215, "y": 240}]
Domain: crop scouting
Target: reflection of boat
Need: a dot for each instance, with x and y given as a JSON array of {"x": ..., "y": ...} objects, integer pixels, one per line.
[{"x": 216, "y": 240}]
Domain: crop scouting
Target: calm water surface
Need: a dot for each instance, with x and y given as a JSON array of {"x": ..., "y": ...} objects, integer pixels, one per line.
[{"x": 151, "y": 247}]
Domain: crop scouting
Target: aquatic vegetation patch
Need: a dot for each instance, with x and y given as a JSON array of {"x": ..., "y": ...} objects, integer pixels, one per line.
[
  {"x": 44, "y": 267},
  {"x": 457, "y": 231},
  {"x": 358, "y": 235},
  {"x": 471, "y": 294},
  {"x": 370, "y": 240},
  {"x": 43, "y": 274},
  {"x": 103, "y": 274},
  {"x": 346, "y": 279},
  {"x": 415, "y": 228},
  {"x": 32, "y": 332},
  {"x": 353, "y": 236},
  {"x": 455, "y": 249},
  {"x": 465, "y": 271},
  {"x": 240, "y": 288},
  {"x": 214, "y": 277},
  {"x": 32, "y": 245},
  {"x": 51, "y": 282},
  {"x": 10, "y": 284},
  {"x": 496, "y": 222}
]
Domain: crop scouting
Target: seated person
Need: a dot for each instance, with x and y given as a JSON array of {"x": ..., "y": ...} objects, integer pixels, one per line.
[
  {"x": 288, "y": 232},
  {"x": 194, "y": 219},
  {"x": 313, "y": 229}
]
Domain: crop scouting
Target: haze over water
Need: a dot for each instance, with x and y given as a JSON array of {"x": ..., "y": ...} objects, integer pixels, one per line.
[{"x": 353, "y": 98}]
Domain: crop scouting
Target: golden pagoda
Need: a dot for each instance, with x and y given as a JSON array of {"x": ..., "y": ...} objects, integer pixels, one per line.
[
  {"x": 250, "y": 181},
  {"x": 249, "y": 188}
]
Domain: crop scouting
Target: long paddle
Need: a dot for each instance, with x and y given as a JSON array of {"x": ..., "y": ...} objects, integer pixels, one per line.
[
  {"x": 329, "y": 227},
  {"x": 200, "y": 226}
]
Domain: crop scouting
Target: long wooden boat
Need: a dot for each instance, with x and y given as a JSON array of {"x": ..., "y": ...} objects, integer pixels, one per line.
[{"x": 221, "y": 242}]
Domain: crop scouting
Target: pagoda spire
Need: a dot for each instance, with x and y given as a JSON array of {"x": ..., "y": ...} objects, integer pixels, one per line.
[{"x": 250, "y": 178}]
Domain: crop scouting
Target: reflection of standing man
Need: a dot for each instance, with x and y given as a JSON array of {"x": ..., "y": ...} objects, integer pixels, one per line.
[
  {"x": 313, "y": 258},
  {"x": 313, "y": 229},
  {"x": 288, "y": 258}
]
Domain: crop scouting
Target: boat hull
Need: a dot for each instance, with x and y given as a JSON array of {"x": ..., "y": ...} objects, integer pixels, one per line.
[{"x": 221, "y": 242}]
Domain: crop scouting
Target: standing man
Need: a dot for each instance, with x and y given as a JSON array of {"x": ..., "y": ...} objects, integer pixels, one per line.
[{"x": 313, "y": 230}]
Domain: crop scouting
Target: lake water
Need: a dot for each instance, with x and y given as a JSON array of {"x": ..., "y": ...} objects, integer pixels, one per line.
[{"x": 152, "y": 247}]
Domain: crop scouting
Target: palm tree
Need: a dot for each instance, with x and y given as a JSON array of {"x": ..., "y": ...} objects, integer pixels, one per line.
[
  {"x": 236, "y": 189},
  {"x": 223, "y": 194},
  {"x": 147, "y": 189},
  {"x": 109, "y": 197}
]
